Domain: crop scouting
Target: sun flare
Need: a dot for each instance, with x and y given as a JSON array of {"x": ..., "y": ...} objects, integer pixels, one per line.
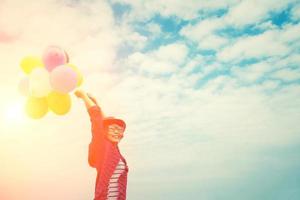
[{"x": 14, "y": 113}]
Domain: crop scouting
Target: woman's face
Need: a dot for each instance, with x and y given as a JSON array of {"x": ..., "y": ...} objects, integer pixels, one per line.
[{"x": 115, "y": 133}]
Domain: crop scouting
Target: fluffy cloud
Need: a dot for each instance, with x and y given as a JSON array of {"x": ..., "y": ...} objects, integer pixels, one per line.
[
  {"x": 289, "y": 34},
  {"x": 252, "y": 11},
  {"x": 85, "y": 29},
  {"x": 258, "y": 46},
  {"x": 164, "y": 60},
  {"x": 213, "y": 122},
  {"x": 146, "y": 9},
  {"x": 269, "y": 85},
  {"x": 203, "y": 33},
  {"x": 154, "y": 28},
  {"x": 287, "y": 74},
  {"x": 251, "y": 73},
  {"x": 192, "y": 64},
  {"x": 296, "y": 12},
  {"x": 270, "y": 43},
  {"x": 244, "y": 13},
  {"x": 213, "y": 42},
  {"x": 202, "y": 29},
  {"x": 130, "y": 38}
]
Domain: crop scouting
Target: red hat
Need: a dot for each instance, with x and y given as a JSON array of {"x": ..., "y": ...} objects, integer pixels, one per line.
[{"x": 111, "y": 120}]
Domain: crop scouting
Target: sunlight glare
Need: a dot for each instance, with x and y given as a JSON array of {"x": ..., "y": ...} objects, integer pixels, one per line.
[{"x": 14, "y": 113}]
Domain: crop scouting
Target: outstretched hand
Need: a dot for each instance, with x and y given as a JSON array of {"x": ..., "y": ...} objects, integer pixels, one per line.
[
  {"x": 86, "y": 97},
  {"x": 80, "y": 93}
]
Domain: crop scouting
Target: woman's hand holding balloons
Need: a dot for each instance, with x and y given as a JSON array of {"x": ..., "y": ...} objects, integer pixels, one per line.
[
  {"x": 80, "y": 93},
  {"x": 88, "y": 100},
  {"x": 49, "y": 82}
]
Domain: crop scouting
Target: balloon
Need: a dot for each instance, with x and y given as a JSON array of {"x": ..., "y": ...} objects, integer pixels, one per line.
[
  {"x": 79, "y": 75},
  {"x": 36, "y": 107},
  {"x": 53, "y": 57},
  {"x": 39, "y": 83},
  {"x": 63, "y": 79},
  {"x": 59, "y": 103},
  {"x": 29, "y": 63},
  {"x": 24, "y": 86}
]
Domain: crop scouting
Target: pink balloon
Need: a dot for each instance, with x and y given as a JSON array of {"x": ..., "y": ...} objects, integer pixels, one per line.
[
  {"x": 54, "y": 56},
  {"x": 63, "y": 79}
]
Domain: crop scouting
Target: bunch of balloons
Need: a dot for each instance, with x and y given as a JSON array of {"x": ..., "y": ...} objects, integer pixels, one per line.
[{"x": 48, "y": 82}]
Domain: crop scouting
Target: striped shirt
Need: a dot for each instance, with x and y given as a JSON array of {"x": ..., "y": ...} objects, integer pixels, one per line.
[{"x": 113, "y": 187}]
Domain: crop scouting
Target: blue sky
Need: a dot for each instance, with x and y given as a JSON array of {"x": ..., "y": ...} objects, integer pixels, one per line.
[
  {"x": 210, "y": 92},
  {"x": 171, "y": 25},
  {"x": 273, "y": 172}
]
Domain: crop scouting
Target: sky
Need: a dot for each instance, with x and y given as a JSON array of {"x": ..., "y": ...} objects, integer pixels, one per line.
[{"x": 209, "y": 90}]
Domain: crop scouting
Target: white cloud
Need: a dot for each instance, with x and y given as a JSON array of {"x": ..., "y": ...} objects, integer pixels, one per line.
[
  {"x": 143, "y": 9},
  {"x": 212, "y": 42},
  {"x": 295, "y": 12},
  {"x": 203, "y": 124},
  {"x": 174, "y": 53},
  {"x": 215, "y": 85},
  {"x": 202, "y": 29},
  {"x": 192, "y": 64},
  {"x": 267, "y": 25},
  {"x": 238, "y": 16},
  {"x": 166, "y": 59},
  {"x": 269, "y": 85},
  {"x": 253, "y": 11},
  {"x": 258, "y": 46},
  {"x": 203, "y": 33},
  {"x": 154, "y": 28},
  {"x": 251, "y": 73},
  {"x": 71, "y": 26},
  {"x": 143, "y": 62},
  {"x": 290, "y": 60},
  {"x": 135, "y": 39},
  {"x": 270, "y": 43},
  {"x": 290, "y": 34},
  {"x": 287, "y": 74},
  {"x": 130, "y": 37},
  {"x": 246, "y": 12}
]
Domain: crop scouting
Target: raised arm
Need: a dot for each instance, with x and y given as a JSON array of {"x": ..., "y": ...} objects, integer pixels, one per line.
[
  {"x": 96, "y": 118},
  {"x": 88, "y": 100}
]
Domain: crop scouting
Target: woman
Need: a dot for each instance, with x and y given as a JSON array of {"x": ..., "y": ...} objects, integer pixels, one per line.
[{"x": 104, "y": 154}]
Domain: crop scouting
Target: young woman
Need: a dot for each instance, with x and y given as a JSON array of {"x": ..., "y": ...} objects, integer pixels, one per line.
[{"x": 104, "y": 154}]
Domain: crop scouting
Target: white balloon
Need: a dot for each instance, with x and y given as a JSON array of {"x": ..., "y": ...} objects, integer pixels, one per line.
[{"x": 39, "y": 82}]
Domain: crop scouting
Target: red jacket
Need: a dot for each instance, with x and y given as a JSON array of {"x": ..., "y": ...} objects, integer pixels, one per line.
[{"x": 104, "y": 156}]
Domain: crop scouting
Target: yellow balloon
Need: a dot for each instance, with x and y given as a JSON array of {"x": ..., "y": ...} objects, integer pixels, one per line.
[
  {"x": 36, "y": 108},
  {"x": 79, "y": 75},
  {"x": 30, "y": 62},
  {"x": 59, "y": 103}
]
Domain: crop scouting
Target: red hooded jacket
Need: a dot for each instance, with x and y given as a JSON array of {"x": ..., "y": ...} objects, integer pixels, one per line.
[{"x": 104, "y": 156}]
